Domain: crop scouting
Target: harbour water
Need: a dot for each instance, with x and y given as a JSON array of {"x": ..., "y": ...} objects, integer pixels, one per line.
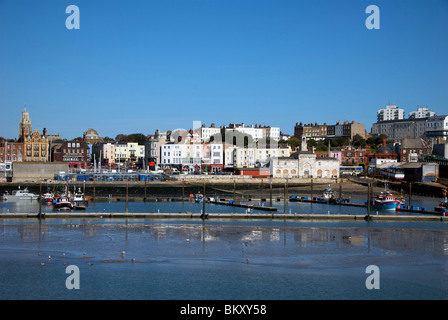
[{"x": 219, "y": 259}]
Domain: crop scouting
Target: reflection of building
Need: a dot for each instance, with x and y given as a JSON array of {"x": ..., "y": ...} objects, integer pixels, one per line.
[{"x": 35, "y": 146}]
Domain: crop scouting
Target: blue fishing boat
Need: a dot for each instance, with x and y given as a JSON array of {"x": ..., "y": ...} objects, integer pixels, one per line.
[{"x": 385, "y": 201}]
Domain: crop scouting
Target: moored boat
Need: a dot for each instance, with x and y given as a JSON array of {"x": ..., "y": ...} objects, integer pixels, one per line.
[
  {"x": 198, "y": 197},
  {"x": 62, "y": 203},
  {"x": 328, "y": 193},
  {"x": 443, "y": 204},
  {"x": 79, "y": 201},
  {"x": 20, "y": 195},
  {"x": 385, "y": 201},
  {"x": 48, "y": 197}
]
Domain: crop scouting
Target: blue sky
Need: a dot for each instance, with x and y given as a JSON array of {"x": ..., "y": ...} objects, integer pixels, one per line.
[{"x": 135, "y": 66}]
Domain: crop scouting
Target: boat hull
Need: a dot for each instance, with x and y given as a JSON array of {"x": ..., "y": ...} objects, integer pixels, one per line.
[
  {"x": 11, "y": 198},
  {"x": 386, "y": 206}
]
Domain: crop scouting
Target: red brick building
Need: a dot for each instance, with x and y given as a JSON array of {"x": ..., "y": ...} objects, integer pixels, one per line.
[
  {"x": 11, "y": 151},
  {"x": 352, "y": 156},
  {"x": 76, "y": 153}
]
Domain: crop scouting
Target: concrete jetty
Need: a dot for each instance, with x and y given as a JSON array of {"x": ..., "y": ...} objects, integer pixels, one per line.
[{"x": 233, "y": 216}]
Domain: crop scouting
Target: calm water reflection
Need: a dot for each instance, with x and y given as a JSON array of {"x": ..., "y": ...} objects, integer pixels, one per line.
[{"x": 185, "y": 259}]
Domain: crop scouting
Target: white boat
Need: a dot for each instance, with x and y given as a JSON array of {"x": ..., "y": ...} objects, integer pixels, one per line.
[
  {"x": 328, "y": 193},
  {"x": 62, "y": 202},
  {"x": 20, "y": 195},
  {"x": 79, "y": 201},
  {"x": 48, "y": 197}
]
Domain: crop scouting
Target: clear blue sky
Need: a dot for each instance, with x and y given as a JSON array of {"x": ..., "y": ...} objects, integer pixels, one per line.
[{"x": 135, "y": 66}]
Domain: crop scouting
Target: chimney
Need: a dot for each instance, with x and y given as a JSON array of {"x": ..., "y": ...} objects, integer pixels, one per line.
[{"x": 45, "y": 132}]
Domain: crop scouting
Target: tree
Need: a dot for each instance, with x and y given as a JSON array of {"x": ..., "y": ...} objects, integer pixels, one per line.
[
  {"x": 140, "y": 138},
  {"x": 293, "y": 142},
  {"x": 358, "y": 141}
]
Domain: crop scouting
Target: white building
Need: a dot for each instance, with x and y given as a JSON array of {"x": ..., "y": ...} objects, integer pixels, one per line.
[
  {"x": 171, "y": 154},
  {"x": 392, "y": 112},
  {"x": 190, "y": 156},
  {"x": 421, "y": 113},
  {"x": 284, "y": 167},
  {"x": 436, "y": 128},
  {"x": 304, "y": 164},
  {"x": 206, "y": 133},
  {"x": 238, "y": 157}
]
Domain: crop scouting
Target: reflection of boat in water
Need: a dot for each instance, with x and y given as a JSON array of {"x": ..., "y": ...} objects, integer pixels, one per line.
[
  {"x": 20, "y": 195},
  {"x": 386, "y": 201},
  {"x": 443, "y": 204}
]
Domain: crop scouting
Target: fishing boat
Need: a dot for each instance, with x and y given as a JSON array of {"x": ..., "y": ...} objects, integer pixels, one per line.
[
  {"x": 48, "y": 197},
  {"x": 79, "y": 201},
  {"x": 62, "y": 202},
  {"x": 198, "y": 198},
  {"x": 328, "y": 193},
  {"x": 443, "y": 204},
  {"x": 386, "y": 201},
  {"x": 20, "y": 195}
]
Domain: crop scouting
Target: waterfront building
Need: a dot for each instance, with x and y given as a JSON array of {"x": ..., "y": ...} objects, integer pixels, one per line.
[
  {"x": 11, "y": 151},
  {"x": 436, "y": 128},
  {"x": 384, "y": 154},
  {"x": 304, "y": 164},
  {"x": 353, "y": 156},
  {"x": 410, "y": 149},
  {"x": 206, "y": 133},
  {"x": 75, "y": 152},
  {"x": 129, "y": 152},
  {"x": 392, "y": 112},
  {"x": 192, "y": 157},
  {"x": 35, "y": 146},
  {"x": 251, "y": 157},
  {"x": 106, "y": 151},
  {"x": 283, "y": 167}
]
